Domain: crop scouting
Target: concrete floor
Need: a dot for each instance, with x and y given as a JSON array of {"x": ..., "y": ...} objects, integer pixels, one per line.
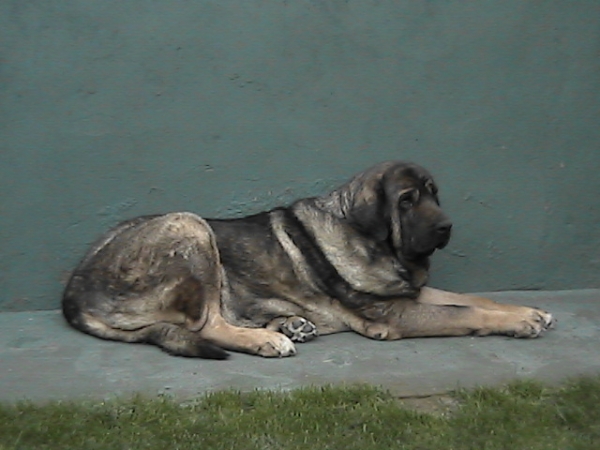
[{"x": 41, "y": 358}]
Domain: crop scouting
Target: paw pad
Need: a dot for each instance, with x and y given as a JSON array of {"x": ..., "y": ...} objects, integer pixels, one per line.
[{"x": 298, "y": 329}]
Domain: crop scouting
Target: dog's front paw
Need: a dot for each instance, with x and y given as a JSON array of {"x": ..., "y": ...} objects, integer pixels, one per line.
[
  {"x": 535, "y": 322},
  {"x": 298, "y": 329},
  {"x": 547, "y": 319}
]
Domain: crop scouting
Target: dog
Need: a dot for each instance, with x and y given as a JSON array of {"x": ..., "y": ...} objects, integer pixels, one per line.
[{"x": 355, "y": 259}]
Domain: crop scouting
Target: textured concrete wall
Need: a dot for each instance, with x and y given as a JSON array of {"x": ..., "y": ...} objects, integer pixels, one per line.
[{"x": 110, "y": 109}]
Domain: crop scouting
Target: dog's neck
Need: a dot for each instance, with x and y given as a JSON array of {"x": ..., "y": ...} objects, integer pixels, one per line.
[{"x": 417, "y": 271}]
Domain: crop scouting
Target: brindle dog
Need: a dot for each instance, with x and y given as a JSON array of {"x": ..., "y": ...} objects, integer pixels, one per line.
[{"x": 355, "y": 259}]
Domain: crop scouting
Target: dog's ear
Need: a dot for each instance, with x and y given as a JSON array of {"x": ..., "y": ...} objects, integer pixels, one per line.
[{"x": 366, "y": 205}]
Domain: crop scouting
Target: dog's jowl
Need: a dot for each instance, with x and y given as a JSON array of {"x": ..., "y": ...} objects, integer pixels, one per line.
[{"x": 354, "y": 259}]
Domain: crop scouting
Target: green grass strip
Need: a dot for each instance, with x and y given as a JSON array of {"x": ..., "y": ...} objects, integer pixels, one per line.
[{"x": 522, "y": 415}]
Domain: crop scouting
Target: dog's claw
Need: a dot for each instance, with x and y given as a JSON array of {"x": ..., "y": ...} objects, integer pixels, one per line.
[{"x": 548, "y": 321}]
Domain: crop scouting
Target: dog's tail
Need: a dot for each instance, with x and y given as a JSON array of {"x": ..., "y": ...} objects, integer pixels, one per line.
[{"x": 171, "y": 337}]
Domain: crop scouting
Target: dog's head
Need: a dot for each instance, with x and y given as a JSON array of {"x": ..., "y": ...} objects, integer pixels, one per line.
[{"x": 397, "y": 202}]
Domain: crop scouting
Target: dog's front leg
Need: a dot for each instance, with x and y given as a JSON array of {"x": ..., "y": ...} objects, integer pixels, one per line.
[
  {"x": 422, "y": 320},
  {"x": 397, "y": 319},
  {"x": 432, "y": 296}
]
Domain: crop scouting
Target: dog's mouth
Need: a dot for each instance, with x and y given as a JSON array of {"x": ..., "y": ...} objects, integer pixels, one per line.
[
  {"x": 443, "y": 243},
  {"x": 418, "y": 252},
  {"x": 418, "y": 255}
]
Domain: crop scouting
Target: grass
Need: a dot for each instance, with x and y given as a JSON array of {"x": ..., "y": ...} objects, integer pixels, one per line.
[{"x": 522, "y": 415}]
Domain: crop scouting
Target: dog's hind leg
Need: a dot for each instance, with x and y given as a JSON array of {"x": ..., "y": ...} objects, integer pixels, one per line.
[
  {"x": 172, "y": 338},
  {"x": 140, "y": 320},
  {"x": 149, "y": 283},
  {"x": 256, "y": 341}
]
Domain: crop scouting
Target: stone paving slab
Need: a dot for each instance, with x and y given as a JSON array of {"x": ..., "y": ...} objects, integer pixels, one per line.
[{"x": 42, "y": 358}]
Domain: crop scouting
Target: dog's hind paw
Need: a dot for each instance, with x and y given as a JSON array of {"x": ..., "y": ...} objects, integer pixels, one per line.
[
  {"x": 276, "y": 346},
  {"x": 298, "y": 329}
]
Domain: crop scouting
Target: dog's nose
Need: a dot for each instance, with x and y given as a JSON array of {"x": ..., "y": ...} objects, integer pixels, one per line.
[{"x": 444, "y": 228}]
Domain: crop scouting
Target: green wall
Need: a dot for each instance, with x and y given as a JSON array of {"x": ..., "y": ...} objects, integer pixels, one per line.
[{"x": 111, "y": 109}]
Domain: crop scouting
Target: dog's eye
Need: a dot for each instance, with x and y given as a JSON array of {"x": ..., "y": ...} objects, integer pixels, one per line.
[{"x": 406, "y": 200}]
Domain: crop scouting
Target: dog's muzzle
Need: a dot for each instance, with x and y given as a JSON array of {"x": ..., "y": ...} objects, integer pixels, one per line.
[{"x": 443, "y": 230}]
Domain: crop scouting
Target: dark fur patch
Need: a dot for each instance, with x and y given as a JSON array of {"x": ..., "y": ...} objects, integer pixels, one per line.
[{"x": 324, "y": 273}]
